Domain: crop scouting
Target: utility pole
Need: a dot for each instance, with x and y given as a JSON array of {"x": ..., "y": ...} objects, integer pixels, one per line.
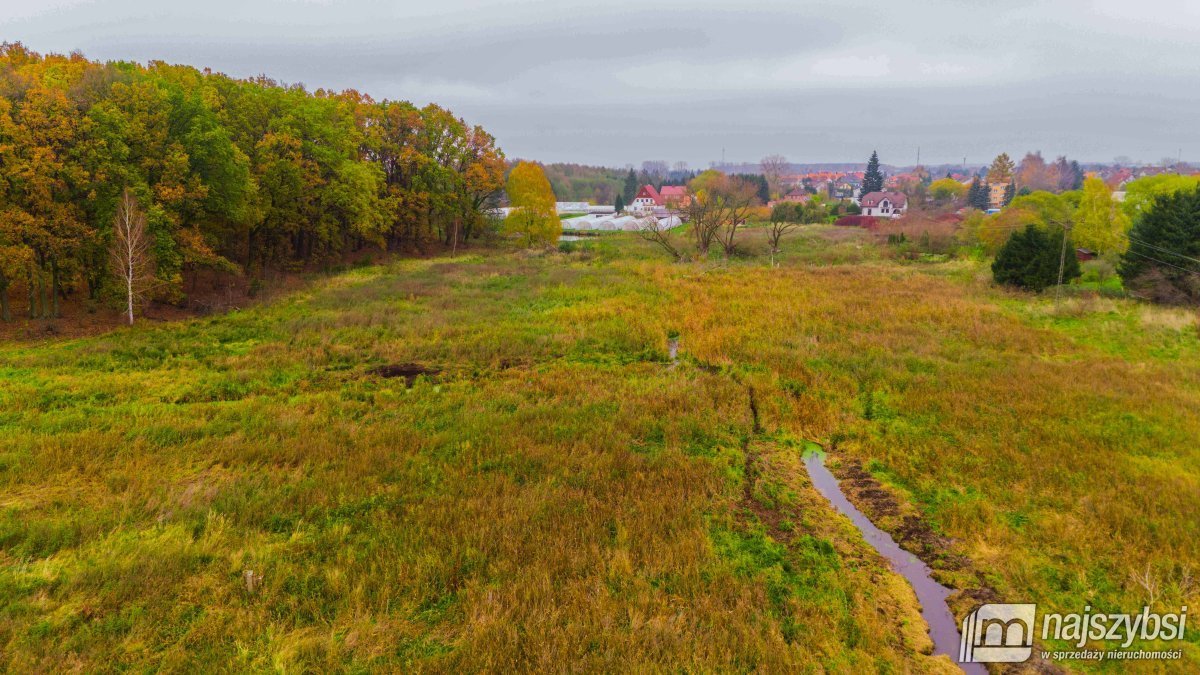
[{"x": 1062, "y": 264}]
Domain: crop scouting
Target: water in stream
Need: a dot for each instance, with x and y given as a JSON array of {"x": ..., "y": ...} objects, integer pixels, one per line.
[{"x": 932, "y": 595}]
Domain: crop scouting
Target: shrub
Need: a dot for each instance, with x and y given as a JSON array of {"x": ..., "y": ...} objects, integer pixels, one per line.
[
  {"x": 1031, "y": 257},
  {"x": 867, "y": 222}
]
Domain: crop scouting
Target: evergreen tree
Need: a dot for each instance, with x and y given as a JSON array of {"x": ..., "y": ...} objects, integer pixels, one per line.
[
  {"x": 764, "y": 189},
  {"x": 873, "y": 177},
  {"x": 1161, "y": 246},
  {"x": 619, "y": 206},
  {"x": 631, "y": 186},
  {"x": 1009, "y": 193},
  {"x": 1030, "y": 259},
  {"x": 977, "y": 195},
  {"x": 1001, "y": 170},
  {"x": 1076, "y": 175}
]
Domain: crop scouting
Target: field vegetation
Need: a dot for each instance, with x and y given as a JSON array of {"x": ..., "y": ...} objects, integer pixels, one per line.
[{"x": 490, "y": 461}]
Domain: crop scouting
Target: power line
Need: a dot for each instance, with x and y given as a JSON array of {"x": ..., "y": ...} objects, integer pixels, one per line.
[
  {"x": 1164, "y": 250},
  {"x": 1163, "y": 262}
]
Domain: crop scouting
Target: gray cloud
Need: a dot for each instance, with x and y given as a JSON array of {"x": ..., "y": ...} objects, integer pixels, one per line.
[{"x": 625, "y": 81}]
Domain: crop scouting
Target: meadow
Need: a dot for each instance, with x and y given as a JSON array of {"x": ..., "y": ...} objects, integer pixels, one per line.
[{"x": 249, "y": 492}]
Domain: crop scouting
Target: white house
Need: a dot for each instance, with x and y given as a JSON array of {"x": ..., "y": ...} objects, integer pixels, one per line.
[
  {"x": 884, "y": 204},
  {"x": 647, "y": 198}
]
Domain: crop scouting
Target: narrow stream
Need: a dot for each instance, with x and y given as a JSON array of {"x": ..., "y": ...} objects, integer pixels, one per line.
[{"x": 932, "y": 595}]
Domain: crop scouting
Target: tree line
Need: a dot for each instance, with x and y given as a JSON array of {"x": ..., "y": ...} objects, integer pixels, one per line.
[
  {"x": 227, "y": 174},
  {"x": 1151, "y": 239}
]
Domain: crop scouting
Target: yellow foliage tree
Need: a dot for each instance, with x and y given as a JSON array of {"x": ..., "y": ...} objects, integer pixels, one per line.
[
  {"x": 1100, "y": 224},
  {"x": 533, "y": 216},
  {"x": 946, "y": 190}
]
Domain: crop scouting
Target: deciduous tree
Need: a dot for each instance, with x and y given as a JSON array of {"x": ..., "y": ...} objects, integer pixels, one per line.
[
  {"x": 1140, "y": 194},
  {"x": 785, "y": 217},
  {"x": 773, "y": 168},
  {"x": 1100, "y": 224},
  {"x": 946, "y": 190},
  {"x": 533, "y": 215},
  {"x": 130, "y": 252}
]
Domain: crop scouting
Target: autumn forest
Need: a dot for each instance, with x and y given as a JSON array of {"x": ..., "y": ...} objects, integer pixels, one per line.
[{"x": 230, "y": 175}]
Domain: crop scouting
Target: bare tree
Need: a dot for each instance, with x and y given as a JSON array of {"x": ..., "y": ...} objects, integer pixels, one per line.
[
  {"x": 656, "y": 168},
  {"x": 1149, "y": 582},
  {"x": 784, "y": 218},
  {"x": 773, "y": 168},
  {"x": 700, "y": 212},
  {"x": 735, "y": 199},
  {"x": 130, "y": 253},
  {"x": 720, "y": 206},
  {"x": 660, "y": 234}
]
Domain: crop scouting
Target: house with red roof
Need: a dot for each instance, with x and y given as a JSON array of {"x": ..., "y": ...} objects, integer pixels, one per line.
[
  {"x": 796, "y": 196},
  {"x": 674, "y": 195},
  {"x": 884, "y": 204},
  {"x": 648, "y": 198}
]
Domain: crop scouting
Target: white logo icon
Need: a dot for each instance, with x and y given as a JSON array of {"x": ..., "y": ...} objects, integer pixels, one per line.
[{"x": 997, "y": 634}]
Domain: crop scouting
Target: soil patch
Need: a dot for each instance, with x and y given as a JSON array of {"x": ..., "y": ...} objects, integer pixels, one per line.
[{"x": 409, "y": 371}]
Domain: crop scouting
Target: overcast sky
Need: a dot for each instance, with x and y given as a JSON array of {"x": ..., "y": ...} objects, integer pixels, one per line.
[{"x": 621, "y": 81}]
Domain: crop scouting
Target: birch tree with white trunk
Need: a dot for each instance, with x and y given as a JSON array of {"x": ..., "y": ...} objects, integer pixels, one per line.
[{"x": 130, "y": 255}]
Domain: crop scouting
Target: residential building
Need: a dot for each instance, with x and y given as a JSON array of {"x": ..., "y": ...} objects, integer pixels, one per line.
[
  {"x": 845, "y": 187},
  {"x": 996, "y": 193},
  {"x": 884, "y": 204},
  {"x": 670, "y": 196},
  {"x": 796, "y": 196},
  {"x": 674, "y": 195},
  {"x": 647, "y": 198}
]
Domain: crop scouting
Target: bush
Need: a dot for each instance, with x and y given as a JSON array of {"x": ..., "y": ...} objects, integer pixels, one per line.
[
  {"x": 867, "y": 222},
  {"x": 1097, "y": 271},
  {"x": 1030, "y": 259}
]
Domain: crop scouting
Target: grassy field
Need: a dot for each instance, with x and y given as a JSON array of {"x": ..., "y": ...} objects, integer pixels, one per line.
[{"x": 246, "y": 492}]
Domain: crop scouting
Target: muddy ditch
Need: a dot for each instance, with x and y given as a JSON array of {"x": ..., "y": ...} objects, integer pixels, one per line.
[
  {"x": 408, "y": 371},
  {"x": 922, "y": 549}
]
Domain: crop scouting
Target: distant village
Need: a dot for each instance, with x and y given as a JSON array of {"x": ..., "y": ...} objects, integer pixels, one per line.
[{"x": 661, "y": 192}]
